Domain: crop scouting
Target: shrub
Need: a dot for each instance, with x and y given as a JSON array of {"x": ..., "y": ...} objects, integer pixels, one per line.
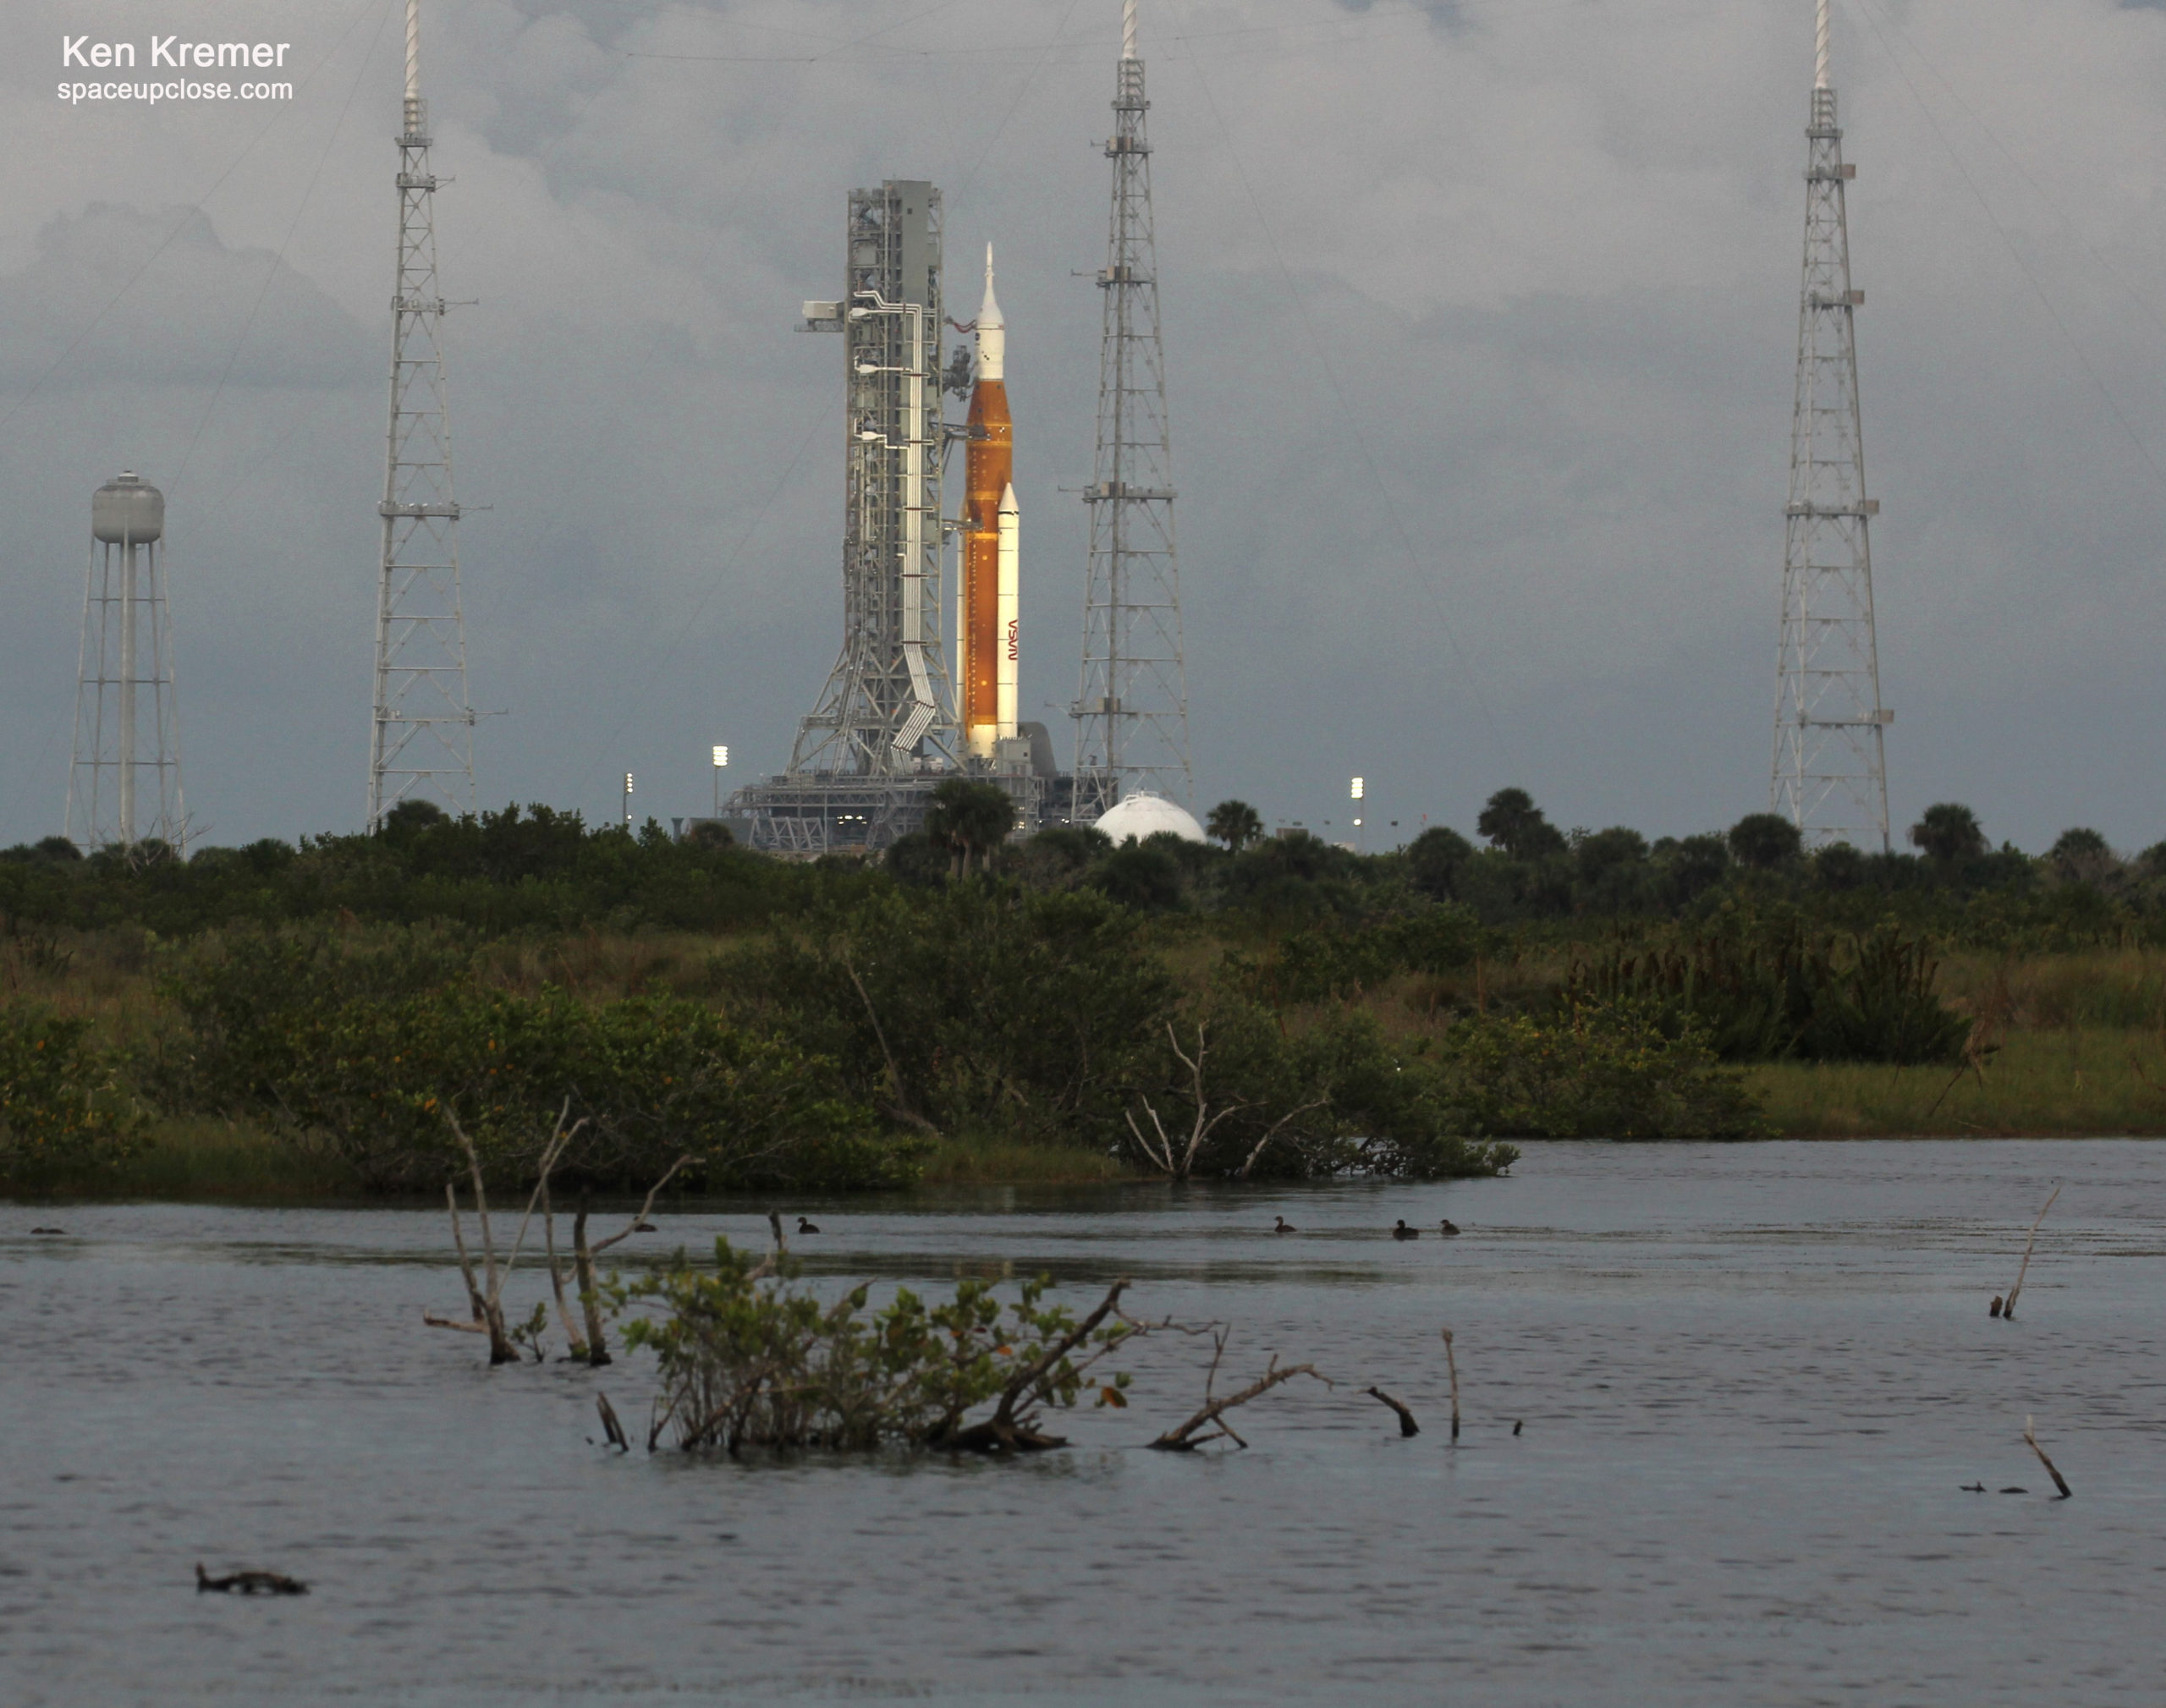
[
  {"x": 1772, "y": 992},
  {"x": 1595, "y": 1071},
  {"x": 61, "y": 1102},
  {"x": 748, "y": 1364},
  {"x": 1316, "y": 965},
  {"x": 372, "y": 1053},
  {"x": 971, "y": 1009},
  {"x": 1233, "y": 1093}
]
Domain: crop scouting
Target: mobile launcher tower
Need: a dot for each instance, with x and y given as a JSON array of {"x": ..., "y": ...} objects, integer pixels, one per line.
[{"x": 888, "y": 727}]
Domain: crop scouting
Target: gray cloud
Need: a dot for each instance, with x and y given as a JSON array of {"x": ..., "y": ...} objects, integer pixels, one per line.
[
  {"x": 1479, "y": 341},
  {"x": 180, "y": 323}
]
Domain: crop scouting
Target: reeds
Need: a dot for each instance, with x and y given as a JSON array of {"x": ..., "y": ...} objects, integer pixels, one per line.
[{"x": 2094, "y": 1081}]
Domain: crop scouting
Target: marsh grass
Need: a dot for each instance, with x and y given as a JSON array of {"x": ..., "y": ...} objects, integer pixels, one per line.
[
  {"x": 2077, "y": 1080},
  {"x": 197, "y": 1162},
  {"x": 996, "y": 1162}
]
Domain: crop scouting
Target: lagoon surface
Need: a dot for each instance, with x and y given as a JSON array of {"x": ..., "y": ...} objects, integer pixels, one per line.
[{"x": 1752, "y": 1380}]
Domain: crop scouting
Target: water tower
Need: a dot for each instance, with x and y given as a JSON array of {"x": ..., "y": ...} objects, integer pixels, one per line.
[{"x": 124, "y": 787}]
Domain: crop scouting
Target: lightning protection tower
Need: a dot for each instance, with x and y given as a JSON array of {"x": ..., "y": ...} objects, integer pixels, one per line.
[
  {"x": 1830, "y": 770},
  {"x": 123, "y": 785},
  {"x": 1131, "y": 730},
  {"x": 421, "y": 738}
]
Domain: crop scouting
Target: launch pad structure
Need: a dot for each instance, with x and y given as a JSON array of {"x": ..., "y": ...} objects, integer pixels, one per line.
[{"x": 886, "y": 731}]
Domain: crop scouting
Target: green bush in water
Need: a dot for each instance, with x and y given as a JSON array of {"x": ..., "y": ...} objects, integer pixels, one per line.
[{"x": 747, "y": 1361}]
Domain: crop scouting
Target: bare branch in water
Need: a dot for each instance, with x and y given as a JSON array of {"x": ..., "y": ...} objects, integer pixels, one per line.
[
  {"x": 1212, "y": 1416},
  {"x": 2008, "y": 1311},
  {"x": 2059, "y": 1481}
]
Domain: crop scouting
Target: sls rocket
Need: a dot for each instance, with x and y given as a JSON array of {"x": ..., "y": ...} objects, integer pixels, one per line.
[{"x": 991, "y": 639}]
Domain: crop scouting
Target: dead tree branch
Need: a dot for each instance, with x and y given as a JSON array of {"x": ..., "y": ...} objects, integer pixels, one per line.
[
  {"x": 899, "y": 1104},
  {"x": 1013, "y": 1425},
  {"x": 1407, "y": 1426},
  {"x": 486, "y": 1300},
  {"x": 2060, "y": 1482},
  {"x": 1183, "y": 1439},
  {"x": 2008, "y": 1311},
  {"x": 1163, "y": 1157},
  {"x": 483, "y": 1299},
  {"x": 583, "y": 1256},
  {"x": 1242, "y": 1173},
  {"x": 1452, "y": 1363}
]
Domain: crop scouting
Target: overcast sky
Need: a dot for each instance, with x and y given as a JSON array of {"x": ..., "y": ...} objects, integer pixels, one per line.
[{"x": 1480, "y": 327}]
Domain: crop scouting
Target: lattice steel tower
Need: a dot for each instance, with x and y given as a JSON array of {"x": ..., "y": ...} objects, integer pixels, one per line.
[
  {"x": 1131, "y": 728},
  {"x": 124, "y": 783},
  {"x": 421, "y": 741},
  {"x": 1830, "y": 771}
]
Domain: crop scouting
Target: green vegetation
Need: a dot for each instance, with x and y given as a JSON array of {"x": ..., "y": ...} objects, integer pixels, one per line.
[
  {"x": 60, "y": 1103},
  {"x": 282, "y": 1022},
  {"x": 380, "y": 1077},
  {"x": 748, "y": 1360}
]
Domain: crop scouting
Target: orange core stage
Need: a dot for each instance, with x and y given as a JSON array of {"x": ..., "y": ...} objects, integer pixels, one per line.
[{"x": 990, "y": 467}]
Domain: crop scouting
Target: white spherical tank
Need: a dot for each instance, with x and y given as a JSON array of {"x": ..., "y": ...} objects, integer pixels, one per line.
[
  {"x": 1143, "y": 816},
  {"x": 126, "y": 510}
]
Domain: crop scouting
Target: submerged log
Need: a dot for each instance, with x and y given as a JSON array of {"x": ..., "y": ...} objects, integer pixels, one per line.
[
  {"x": 1452, "y": 1363},
  {"x": 1407, "y": 1426},
  {"x": 248, "y": 1583}
]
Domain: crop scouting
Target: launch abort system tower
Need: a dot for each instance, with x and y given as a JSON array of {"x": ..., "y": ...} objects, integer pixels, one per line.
[
  {"x": 1830, "y": 770},
  {"x": 421, "y": 735},
  {"x": 124, "y": 784},
  {"x": 885, "y": 732},
  {"x": 1131, "y": 730}
]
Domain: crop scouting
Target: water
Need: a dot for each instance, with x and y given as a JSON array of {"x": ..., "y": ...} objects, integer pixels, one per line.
[{"x": 1752, "y": 1379}]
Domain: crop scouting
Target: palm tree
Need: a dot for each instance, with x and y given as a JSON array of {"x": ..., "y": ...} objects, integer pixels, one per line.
[
  {"x": 970, "y": 818},
  {"x": 1949, "y": 833},
  {"x": 1234, "y": 823}
]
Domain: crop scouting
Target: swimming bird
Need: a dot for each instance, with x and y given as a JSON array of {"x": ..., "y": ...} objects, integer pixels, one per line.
[
  {"x": 48, "y": 1230},
  {"x": 1450, "y": 1227},
  {"x": 1284, "y": 1226},
  {"x": 805, "y": 1227},
  {"x": 1403, "y": 1232}
]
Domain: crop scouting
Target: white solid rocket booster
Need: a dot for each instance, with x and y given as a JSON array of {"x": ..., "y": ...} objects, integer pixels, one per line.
[{"x": 1009, "y": 616}]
